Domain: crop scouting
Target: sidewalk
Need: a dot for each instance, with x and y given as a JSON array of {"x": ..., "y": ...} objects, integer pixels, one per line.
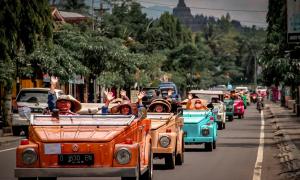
[
  {"x": 8, "y": 138},
  {"x": 286, "y": 127}
]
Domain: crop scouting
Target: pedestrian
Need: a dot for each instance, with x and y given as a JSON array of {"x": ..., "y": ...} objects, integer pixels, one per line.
[{"x": 268, "y": 92}]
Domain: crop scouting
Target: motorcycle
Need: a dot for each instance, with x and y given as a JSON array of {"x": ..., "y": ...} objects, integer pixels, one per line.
[
  {"x": 259, "y": 104},
  {"x": 254, "y": 97}
]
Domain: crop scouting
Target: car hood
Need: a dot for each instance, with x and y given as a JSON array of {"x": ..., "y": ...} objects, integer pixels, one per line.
[{"x": 78, "y": 133}]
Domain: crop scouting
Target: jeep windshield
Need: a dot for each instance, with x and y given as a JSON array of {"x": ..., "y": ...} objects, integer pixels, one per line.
[
  {"x": 227, "y": 100},
  {"x": 82, "y": 120},
  {"x": 164, "y": 89},
  {"x": 33, "y": 96},
  {"x": 206, "y": 97}
]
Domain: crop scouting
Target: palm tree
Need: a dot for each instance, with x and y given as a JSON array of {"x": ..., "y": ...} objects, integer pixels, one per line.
[{"x": 211, "y": 36}]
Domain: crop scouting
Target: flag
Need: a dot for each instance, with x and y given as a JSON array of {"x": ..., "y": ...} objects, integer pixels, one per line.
[
  {"x": 136, "y": 75},
  {"x": 227, "y": 74}
]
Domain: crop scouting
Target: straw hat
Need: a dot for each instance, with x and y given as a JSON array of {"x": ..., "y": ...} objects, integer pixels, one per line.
[
  {"x": 185, "y": 101},
  {"x": 117, "y": 100},
  {"x": 166, "y": 104},
  {"x": 77, "y": 104}
]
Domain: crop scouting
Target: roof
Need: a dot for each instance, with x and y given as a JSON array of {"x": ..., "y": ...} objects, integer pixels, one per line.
[
  {"x": 57, "y": 17},
  {"x": 70, "y": 14},
  {"x": 206, "y": 92}
]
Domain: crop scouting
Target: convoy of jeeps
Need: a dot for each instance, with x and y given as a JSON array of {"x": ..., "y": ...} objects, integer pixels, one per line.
[{"x": 91, "y": 143}]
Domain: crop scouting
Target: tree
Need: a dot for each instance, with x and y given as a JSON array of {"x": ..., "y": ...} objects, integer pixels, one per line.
[
  {"x": 211, "y": 36},
  {"x": 21, "y": 23}
]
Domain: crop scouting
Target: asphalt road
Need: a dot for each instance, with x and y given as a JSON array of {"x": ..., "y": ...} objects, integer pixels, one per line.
[{"x": 234, "y": 158}]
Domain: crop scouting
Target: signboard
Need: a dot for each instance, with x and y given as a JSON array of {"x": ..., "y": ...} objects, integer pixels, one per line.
[
  {"x": 78, "y": 79},
  {"x": 46, "y": 77},
  {"x": 293, "y": 21},
  {"x": 287, "y": 91},
  {"x": 133, "y": 97}
]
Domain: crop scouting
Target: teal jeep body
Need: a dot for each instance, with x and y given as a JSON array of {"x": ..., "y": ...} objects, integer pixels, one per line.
[
  {"x": 229, "y": 109},
  {"x": 200, "y": 127}
]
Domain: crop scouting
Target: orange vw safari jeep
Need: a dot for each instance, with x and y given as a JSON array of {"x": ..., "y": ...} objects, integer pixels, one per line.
[
  {"x": 166, "y": 133},
  {"x": 103, "y": 145}
]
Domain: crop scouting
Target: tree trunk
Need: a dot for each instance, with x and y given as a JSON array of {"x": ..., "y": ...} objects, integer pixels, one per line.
[
  {"x": 118, "y": 92},
  {"x": 183, "y": 95},
  {"x": 7, "y": 99}
]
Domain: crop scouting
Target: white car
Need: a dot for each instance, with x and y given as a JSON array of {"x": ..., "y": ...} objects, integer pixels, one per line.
[
  {"x": 261, "y": 88},
  {"x": 34, "y": 98},
  {"x": 221, "y": 116}
]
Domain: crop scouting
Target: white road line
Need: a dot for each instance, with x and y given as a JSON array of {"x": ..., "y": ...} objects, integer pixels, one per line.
[
  {"x": 260, "y": 153},
  {"x": 7, "y": 149}
]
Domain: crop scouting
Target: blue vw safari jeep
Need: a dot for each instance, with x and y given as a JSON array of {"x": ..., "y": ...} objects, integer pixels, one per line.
[{"x": 200, "y": 127}]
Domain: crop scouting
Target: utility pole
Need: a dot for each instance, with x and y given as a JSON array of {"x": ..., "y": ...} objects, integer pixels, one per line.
[
  {"x": 93, "y": 14},
  {"x": 102, "y": 10}
]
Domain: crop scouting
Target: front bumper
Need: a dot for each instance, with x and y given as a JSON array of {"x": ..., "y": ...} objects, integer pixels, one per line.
[
  {"x": 198, "y": 139},
  {"x": 77, "y": 172},
  {"x": 160, "y": 150},
  {"x": 18, "y": 121},
  {"x": 229, "y": 113}
]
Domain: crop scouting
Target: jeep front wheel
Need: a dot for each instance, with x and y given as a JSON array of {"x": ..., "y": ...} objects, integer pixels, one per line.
[
  {"x": 208, "y": 146},
  {"x": 170, "y": 160}
]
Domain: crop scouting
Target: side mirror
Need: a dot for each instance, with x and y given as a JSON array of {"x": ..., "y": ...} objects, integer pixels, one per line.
[
  {"x": 180, "y": 111},
  {"x": 142, "y": 113},
  {"x": 25, "y": 112}
]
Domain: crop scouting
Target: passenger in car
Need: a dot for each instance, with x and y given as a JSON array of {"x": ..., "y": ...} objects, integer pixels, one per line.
[
  {"x": 51, "y": 97},
  {"x": 160, "y": 106},
  {"x": 64, "y": 103},
  {"x": 198, "y": 104},
  {"x": 125, "y": 107}
]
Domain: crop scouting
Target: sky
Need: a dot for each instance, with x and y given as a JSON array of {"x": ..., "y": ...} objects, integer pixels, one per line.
[{"x": 256, "y": 5}]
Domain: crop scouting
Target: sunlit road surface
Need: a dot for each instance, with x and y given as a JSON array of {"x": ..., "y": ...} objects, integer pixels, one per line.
[{"x": 234, "y": 158}]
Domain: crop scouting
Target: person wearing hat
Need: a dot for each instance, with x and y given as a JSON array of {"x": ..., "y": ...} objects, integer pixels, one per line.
[
  {"x": 198, "y": 104},
  {"x": 64, "y": 103},
  {"x": 52, "y": 104},
  {"x": 160, "y": 106},
  {"x": 125, "y": 107}
]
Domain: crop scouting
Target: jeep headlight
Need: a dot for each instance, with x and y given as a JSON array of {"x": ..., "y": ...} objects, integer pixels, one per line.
[
  {"x": 29, "y": 156},
  {"x": 123, "y": 156},
  {"x": 165, "y": 141},
  {"x": 205, "y": 132}
]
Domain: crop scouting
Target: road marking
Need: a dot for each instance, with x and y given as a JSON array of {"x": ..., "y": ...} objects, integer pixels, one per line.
[
  {"x": 260, "y": 153},
  {"x": 8, "y": 149}
]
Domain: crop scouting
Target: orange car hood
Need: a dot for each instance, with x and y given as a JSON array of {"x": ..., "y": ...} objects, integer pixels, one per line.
[{"x": 78, "y": 133}]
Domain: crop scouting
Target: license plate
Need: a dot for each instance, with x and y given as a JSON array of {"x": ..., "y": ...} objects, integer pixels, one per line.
[
  {"x": 185, "y": 134},
  {"x": 75, "y": 159},
  {"x": 238, "y": 110}
]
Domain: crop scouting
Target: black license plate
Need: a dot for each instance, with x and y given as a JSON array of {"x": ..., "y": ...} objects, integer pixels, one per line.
[{"x": 76, "y": 159}]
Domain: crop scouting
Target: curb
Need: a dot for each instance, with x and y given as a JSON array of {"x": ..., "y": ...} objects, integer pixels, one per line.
[
  {"x": 10, "y": 140},
  {"x": 289, "y": 154}
]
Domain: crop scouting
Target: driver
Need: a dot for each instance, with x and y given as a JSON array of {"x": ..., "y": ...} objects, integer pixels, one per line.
[
  {"x": 64, "y": 104},
  {"x": 198, "y": 104},
  {"x": 259, "y": 93}
]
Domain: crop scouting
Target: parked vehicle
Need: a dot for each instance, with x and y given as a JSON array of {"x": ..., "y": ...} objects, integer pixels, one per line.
[
  {"x": 167, "y": 138},
  {"x": 36, "y": 99},
  {"x": 165, "y": 86},
  {"x": 259, "y": 104},
  {"x": 149, "y": 91},
  {"x": 219, "y": 107},
  {"x": 229, "y": 109},
  {"x": 239, "y": 108},
  {"x": 104, "y": 145}
]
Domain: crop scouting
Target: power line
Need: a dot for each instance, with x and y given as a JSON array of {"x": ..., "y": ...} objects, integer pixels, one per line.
[
  {"x": 239, "y": 21},
  {"x": 213, "y": 9}
]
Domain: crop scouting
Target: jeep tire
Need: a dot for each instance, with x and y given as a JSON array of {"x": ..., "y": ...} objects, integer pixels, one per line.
[
  {"x": 208, "y": 146},
  {"x": 223, "y": 125},
  {"x": 170, "y": 160},
  {"x": 215, "y": 144},
  {"x": 148, "y": 175},
  {"x": 240, "y": 116},
  {"x": 180, "y": 157},
  {"x": 220, "y": 126},
  {"x": 16, "y": 130}
]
